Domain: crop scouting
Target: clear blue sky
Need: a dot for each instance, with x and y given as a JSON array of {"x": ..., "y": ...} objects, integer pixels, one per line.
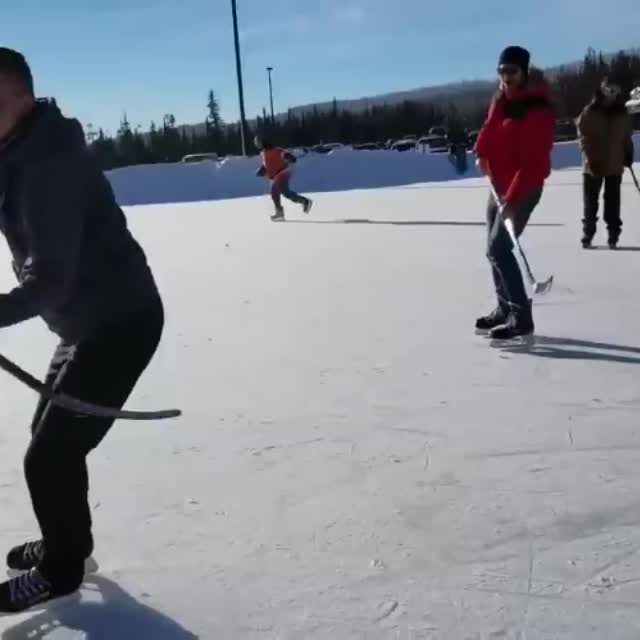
[{"x": 150, "y": 57}]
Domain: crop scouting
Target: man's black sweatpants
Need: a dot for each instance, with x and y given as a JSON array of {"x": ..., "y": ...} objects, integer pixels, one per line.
[
  {"x": 102, "y": 369},
  {"x": 591, "y": 187}
]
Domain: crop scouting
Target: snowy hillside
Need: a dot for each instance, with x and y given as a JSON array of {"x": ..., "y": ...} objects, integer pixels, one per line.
[
  {"x": 353, "y": 462},
  {"x": 342, "y": 170}
]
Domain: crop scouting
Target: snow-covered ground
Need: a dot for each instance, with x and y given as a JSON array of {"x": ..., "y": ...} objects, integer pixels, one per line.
[
  {"x": 341, "y": 170},
  {"x": 353, "y": 462}
]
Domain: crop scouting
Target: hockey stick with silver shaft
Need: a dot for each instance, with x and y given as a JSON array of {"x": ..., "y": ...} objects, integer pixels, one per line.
[
  {"x": 538, "y": 287},
  {"x": 80, "y": 406}
]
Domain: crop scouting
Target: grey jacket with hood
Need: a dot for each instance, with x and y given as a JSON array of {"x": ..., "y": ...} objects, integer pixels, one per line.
[{"x": 78, "y": 266}]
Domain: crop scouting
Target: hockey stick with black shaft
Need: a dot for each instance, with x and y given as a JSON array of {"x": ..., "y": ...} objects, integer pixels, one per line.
[
  {"x": 80, "y": 406},
  {"x": 538, "y": 287},
  {"x": 635, "y": 179}
]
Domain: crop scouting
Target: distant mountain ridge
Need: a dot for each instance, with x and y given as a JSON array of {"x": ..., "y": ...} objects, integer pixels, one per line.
[
  {"x": 435, "y": 93},
  {"x": 458, "y": 92},
  {"x": 463, "y": 93}
]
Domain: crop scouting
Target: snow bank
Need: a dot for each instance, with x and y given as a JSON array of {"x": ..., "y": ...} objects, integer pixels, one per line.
[{"x": 341, "y": 170}]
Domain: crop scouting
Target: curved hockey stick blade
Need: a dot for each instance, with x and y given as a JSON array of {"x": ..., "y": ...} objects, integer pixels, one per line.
[
  {"x": 543, "y": 287},
  {"x": 80, "y": 406},
  {"x": 88, "y": 408}
]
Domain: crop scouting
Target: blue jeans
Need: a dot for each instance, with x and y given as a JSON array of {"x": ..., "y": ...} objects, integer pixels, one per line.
[
  {"x": 507, "y": 277},
  {"x": 280, "y": 187}
]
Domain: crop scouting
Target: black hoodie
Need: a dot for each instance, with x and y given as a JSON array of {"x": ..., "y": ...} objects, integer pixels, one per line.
[{"x": 78, "y": 266}]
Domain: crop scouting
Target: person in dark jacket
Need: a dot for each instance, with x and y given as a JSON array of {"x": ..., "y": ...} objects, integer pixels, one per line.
[
  {"x": 80, "y": 270},
  {"x": 514, "y": 150},
  {"x": 605, "y": 130}
]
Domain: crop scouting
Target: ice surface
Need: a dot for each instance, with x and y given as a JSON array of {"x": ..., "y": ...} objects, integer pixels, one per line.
[{"x": 353, "y": 462}]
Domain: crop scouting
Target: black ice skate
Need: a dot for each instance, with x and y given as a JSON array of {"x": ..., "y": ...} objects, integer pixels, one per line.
[
  {"x": 25, "y": 556},
  {"x": 517, "y": 327},
  {"x": 32, "y": 588},
  {"x": 485, "y": 323},
  {"x": 28, "y": 555}
]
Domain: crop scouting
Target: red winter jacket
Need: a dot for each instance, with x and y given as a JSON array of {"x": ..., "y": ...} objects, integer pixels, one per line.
[{"x": 516, "y": 140}]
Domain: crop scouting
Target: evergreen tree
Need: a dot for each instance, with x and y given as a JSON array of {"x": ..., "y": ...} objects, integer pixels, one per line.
[
  {"x": 213, "y": 118},
  {"x": 214, "y": 126},
  {"x": 572, "y": 88}
]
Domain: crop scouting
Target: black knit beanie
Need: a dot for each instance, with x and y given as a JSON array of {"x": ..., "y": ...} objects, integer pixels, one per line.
[{"x": 516, "y": 56}]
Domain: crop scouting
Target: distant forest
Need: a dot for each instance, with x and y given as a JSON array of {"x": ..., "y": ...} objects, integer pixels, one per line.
[{"x": 572, "y": 87}]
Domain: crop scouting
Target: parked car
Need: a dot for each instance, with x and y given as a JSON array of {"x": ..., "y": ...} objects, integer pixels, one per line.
[
  {"x": 433, "y": 144},
  {"x": 406, "y": 144},
  {"x": 326, "y": 148},
  {"x": 201, "y": 157},
  {"x": 472, "y": 136},
  {"x": 633, "y": 104},
  {"x": 566, "y": 131},
  {"x": 438, "y": 131},
  {"x": 368, "y": 146}
]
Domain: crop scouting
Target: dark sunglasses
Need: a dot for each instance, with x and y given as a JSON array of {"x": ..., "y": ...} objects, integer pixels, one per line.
[{"x": 508, "y": 70}]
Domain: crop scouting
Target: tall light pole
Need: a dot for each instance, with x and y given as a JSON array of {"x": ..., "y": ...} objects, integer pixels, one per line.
[
  {"x": 243, "y": 121},
  {"x": 273, "y": 118}
]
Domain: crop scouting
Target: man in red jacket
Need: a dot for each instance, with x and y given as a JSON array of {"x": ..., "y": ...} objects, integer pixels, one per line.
[{"x": 514, "y": 150}]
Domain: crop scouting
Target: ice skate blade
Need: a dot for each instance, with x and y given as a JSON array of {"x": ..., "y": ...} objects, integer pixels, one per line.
[
  {"x": 540, "y": 288},
  {"x": 49, "y": 606},
  {"x": 517, "y": 341}
]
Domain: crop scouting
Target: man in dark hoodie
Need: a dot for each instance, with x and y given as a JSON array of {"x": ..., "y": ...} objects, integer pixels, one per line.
[
  {"x": 605, "y": 130},
  {"x": 80, "y": 270},
  {"x": 514, "y": 150}
]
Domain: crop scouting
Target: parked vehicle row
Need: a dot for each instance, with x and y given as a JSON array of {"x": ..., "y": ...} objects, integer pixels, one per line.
[
  {"x": 633, "y": 104},
  {"x": 438, "y": 139}
]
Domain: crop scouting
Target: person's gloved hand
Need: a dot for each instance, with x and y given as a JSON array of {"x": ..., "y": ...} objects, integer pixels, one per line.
[
  {"x": 483, "y": 166},
  {"x": 518, "y": 219}
]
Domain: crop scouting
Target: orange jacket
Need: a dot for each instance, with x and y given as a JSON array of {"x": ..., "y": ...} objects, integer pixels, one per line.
[{"x": 274, "y": 162}]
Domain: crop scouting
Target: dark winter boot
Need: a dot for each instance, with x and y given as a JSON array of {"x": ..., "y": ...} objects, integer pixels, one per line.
[
  {"x": 307, "y": 204},
  {"x": 586, "y": 242},
  {"x": 485, "y": 323}
]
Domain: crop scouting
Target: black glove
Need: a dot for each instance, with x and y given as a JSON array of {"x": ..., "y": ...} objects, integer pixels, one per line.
[{"x": 261, "y": 171}]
